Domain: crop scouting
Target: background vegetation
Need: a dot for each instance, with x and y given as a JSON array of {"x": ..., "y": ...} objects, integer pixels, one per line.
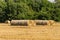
[{"x": 29, "y": 9}]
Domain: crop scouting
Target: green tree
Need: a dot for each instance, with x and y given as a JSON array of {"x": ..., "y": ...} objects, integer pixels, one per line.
[
  {"x": 29, "y": 9},
  {"x": 2, "y": 11},
  {"x": 57, "y": 6}
]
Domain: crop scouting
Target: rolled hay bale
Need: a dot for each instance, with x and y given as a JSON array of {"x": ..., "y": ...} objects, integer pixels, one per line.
[
  {"x": 7, "y": 21},
  {"x": 52, "y": 22},
  {"x": 31, "y": 23},
  {"x": 19, "y": 22},
  {"x": 42, "y": 22}
]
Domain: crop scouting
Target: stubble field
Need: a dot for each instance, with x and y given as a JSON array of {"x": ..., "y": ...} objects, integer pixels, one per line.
[{"x": 8, "y": 32}]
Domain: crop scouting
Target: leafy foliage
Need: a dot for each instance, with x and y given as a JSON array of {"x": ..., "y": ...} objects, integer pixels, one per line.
[{"x": 29, "y": 9}]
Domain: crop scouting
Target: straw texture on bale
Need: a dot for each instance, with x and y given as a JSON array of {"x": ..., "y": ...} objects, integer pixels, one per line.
[
  {"x": 19, "y": 22},
  {"x": 29, "y": 23},
  {"x": 52, "y": 22},
  {"x": 42, "y": 22},
  {"x": 32, "y": 23},
  {"x": 7, "y": 21}
]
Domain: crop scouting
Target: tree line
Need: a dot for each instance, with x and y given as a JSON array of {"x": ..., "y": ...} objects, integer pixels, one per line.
[{"x": 29, "y": 10}]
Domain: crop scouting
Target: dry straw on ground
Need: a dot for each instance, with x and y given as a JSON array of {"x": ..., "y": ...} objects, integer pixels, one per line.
[{"x": 30, "y": 33}]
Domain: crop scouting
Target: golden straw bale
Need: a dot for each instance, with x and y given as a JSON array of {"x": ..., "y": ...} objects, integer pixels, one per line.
[
  {"x": 42, "y": 22},
  {"x": 52, "y": 22},
  {"x": 19, "y": 22},
  {"x": 33, "y": 23},
  {"x": 30, "y": 22},
  {"x": 7, "y": 21}
]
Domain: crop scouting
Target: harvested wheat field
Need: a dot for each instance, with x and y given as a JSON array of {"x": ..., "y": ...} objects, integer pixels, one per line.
[{"x": 8, "y": 32}]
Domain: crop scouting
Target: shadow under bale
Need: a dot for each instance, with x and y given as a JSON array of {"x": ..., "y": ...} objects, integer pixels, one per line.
[{"x": 19, "y": 23}]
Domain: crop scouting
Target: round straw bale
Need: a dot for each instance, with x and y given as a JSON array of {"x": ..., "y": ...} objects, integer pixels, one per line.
[
  {"x": 19, "y": 22},
  {"x": 30, "y": 22},
  {"x": 33, "y": 23},
  {"x": 47, "y": 22},
  {"x": 52, "y": 22},
  {"x": 7, "y": 21},
  {"x": 42, "y": 22},
  {"x": 38, "y": 22}
]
